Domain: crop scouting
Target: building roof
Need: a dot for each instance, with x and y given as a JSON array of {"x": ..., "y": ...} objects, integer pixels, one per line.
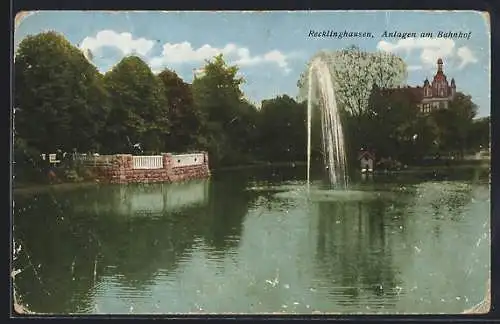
[
  {"x": 366, "y": 154},
  {"x": 416, "y": 94}
]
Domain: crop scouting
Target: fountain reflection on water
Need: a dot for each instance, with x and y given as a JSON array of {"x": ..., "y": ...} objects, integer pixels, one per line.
[{"x": 331, "y": 126}]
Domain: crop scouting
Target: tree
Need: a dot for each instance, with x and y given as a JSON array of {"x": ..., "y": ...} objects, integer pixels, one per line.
[
  {"x": 139, "y": 110},
  {"x": 282, "y": 129},
  {"x": 184, "y": 117},
  {"x": 59, "y": 96},
  {"x": 244, "y": 130},
  {"x": 391, "y": 125},
  {"x": 355, "y": 72},
  {"x": 218, "y": 96},
  {"x": 455, "y": 123},
  {"x": 479, "y": 134},
  {"x": 427, "y": 137},
  {"x": 464, "y": 111}
]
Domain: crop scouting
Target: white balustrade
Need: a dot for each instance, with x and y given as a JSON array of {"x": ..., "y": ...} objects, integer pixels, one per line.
[{"x": 148, "y": 162}]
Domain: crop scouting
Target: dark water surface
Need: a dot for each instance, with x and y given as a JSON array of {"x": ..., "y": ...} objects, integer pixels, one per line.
[{"x": 257, "y": 241}]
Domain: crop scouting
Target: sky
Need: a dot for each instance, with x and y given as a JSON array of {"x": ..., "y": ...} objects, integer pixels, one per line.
[{"x": 272, "y": 48}]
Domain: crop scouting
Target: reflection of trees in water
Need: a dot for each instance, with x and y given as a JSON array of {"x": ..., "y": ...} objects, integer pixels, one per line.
[
  {"x": 442, "y": 200},
  {"x": 54, "y": 251},
  {"x": 68, "y": 233},
  {"x": 278, "y": 174},
  {"x": 138, "y": 248},
  {"x": 352, "y": 249},
  {"x": 228, "y": 205},
  {"x": 436, "y": 215},
  {"x": 362, "y": 246}
]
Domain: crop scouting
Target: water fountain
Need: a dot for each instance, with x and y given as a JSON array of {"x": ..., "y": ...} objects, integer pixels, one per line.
[{"x": 320, "y": 82}]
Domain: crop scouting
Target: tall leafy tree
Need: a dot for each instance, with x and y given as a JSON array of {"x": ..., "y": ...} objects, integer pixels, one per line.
[
  {"x": 139, "y": 111},
  {"x": 455, "y": 124},
  {"x": 59, "y": 96},
  {"x": 218, "y": 95},
  {"x": 389, "y": 125},
  {"x": 186, "y": 120},
  {"x": 244, "y": 130},
  {"x": 282, "y": 129},
  {"x": 479, "y": 135},
  {"x": 354, "y": 72}
]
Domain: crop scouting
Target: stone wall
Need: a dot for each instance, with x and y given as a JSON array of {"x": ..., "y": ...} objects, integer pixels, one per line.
[
  {"x": 121, "y": 170},
  {"x": 183, "y": 160}
]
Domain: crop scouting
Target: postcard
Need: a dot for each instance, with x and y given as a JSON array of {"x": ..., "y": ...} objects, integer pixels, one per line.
[{"x": 239, "y": 162}]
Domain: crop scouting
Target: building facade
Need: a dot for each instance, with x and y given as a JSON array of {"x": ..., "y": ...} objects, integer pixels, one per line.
[{"x": 431, "y": 95}]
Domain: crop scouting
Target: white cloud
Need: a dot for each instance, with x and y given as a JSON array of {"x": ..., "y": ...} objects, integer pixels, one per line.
[
  {"x": 122, "y": 41},
  {"x": 430, "y": 50},
  {"x": 179, "y": 53},
  {"x": 185, "y": 53},
  {"x": 466, "y": 56}
]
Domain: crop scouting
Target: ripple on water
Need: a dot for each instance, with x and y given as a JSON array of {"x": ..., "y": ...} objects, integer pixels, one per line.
[
  {"x": 318, "y": 195},
  {"x": 369, "y": 244}
]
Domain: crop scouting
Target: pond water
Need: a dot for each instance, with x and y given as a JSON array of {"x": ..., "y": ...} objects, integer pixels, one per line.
[{"x": 257, "y": 241}]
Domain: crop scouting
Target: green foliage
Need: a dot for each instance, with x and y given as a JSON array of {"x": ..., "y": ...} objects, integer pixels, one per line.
[
  {"x": 59, "y": 94},
  {"x": 71, "y": 175},
  {"x": 479, "y": 136},
  {"x": 227, "y": 117},
  {"x": 185, "y": 119},
  {"x": 392, "y": 126},
  {"x": 63, "y": 102},
  {"x": 139, "y": 110},
  {"x": 27, "y": 166},
  {"x": 456, "y": 126},
  {"x": 282, "y": 130}
]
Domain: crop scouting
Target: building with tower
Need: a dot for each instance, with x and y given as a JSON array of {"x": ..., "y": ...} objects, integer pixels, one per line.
[{"x": 431, "y": 95}]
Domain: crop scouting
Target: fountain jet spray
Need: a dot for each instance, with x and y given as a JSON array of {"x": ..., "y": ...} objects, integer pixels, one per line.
[{"x": 321, "y": 83}]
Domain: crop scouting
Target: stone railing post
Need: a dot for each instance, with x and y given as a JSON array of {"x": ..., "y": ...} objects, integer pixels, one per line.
[
  {"x": 205, "y": 162},
  {"x": 124, "y": 161},
  {"x": 167, "y": 163}
]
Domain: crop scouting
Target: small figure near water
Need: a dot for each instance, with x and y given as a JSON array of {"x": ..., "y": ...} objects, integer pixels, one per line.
[{"x": 136, "y": 148}]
